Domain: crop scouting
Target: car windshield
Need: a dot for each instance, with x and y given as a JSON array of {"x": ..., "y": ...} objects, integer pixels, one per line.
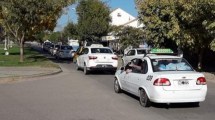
[
  {"x": 75, "y": 48},
  {"x": 101, "y": 50},
  {"x": 66, "y": 47},
  {"x": 179, "y": 64}
]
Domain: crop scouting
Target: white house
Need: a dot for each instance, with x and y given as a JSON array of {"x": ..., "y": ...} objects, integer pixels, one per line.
[
  {"x": 136, "y": 23},
  {"x": 120, "y": 17}
]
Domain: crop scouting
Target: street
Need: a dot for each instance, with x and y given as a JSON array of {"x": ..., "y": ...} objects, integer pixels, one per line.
[{"x": 71, "y": 95}]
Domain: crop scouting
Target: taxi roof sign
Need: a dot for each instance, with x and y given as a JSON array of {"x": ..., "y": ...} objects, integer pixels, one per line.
[{"x": 156, "y": 50}]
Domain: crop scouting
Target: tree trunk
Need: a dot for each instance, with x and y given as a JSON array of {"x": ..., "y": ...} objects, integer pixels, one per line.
[
  {"x": 200, "y": 57},
  {"x": 21, "y": 49}
]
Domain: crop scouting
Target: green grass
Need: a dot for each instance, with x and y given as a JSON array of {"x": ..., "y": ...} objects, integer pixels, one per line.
[{"x": 31, "y": 58}]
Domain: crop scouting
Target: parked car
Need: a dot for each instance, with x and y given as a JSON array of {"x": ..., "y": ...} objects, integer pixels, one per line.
[
  {"x": 54, "y": 50},
  {"x": 134, "y": 53},
  {"x": 161, "y": 79},
  {"x": 97, "y": 58},
  {"x": 64, "y": 52},
  {"x": 46, "y": 45}
]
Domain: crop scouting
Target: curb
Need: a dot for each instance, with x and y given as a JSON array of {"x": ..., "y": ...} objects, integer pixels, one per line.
[{"x": 20, "y": 77}]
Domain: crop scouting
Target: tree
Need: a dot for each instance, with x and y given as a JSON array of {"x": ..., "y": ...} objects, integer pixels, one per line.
[
  {"x": 24, "y": 18},
  {"x": 130, "y": 36},
  {"x": 93, "y": 19},
  {"x": 188, "y": 24},
  {"x": 71, "y": 31}
]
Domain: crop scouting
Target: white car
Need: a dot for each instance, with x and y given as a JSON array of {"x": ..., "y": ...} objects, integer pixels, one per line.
[
  {"x": 161, "y": 79},
  {"x": 134, "y": 53},
  {"x": 97, "y": 58}
]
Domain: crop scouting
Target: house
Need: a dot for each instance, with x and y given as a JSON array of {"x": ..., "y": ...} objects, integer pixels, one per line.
[{"x": 120, "y": 18}]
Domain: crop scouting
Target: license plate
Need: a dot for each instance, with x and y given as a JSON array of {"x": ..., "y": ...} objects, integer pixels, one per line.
[{"x": 183, "y": 82}]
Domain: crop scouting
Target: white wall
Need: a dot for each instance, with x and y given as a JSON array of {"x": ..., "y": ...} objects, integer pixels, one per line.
[{"x": 120, "y": 17}]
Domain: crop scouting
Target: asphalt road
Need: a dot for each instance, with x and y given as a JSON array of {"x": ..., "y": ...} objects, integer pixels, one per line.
[{"x": 71, "y": 95}]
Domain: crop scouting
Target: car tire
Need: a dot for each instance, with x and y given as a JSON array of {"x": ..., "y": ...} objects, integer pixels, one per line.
[
  {"x": 86, "y": 72},
  {"x": 117, "y": 87},
  {"x": 144, "y": 99}
]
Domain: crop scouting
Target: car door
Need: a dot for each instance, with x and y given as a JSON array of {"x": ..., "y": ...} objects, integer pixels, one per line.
[
  {"x": 129, "y": 56},
  {"x": 138, "y": 78},
  {"x": 124, "y": 77}
]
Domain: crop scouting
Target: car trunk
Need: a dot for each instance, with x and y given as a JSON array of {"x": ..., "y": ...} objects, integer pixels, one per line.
[
  {"x": 181, "y": 80},
  {"x": 104, "y": 58}
]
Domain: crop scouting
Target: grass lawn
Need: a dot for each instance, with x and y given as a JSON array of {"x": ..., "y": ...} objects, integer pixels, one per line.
[{"x": 31, "y": 58}]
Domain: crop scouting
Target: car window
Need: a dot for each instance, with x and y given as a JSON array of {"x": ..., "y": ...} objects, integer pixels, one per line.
[
  {"x": 101, "y": 50},
  {"x": 171, "y": 65},
  {"x": 131, "y": 52},
  {"x": 141, "y": 51},
  {"x": 66, "y": 48}
]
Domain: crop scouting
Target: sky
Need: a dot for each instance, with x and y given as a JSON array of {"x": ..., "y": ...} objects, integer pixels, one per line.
[{"x": 69, "y": 12}]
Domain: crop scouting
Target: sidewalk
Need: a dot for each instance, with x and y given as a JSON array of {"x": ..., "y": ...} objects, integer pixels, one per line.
[{"x": 12, "y": 73}]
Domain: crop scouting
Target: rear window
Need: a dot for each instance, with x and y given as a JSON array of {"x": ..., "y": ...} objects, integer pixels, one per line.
[
  {"x": 101, "y": 50},
  {"x": 170, "y": 65},
  {"x": 66, "y": 47},
  {"x": 141, "y": 51}
]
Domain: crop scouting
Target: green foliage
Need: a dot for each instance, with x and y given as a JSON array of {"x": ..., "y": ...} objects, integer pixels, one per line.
[
  {"x": 189, "y": 24},
  {"x": 26, "y": 18},
  {"x": 130, "y": 36},
  {"x": 32, "y": 58},
  {"x": 93, "y": 20},
  {"x": 71, "y": 31}
]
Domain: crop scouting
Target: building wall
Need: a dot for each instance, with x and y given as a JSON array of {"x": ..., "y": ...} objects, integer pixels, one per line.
[
  {"x": 135, "y": 23},
  {"x": 120, "y": 17}
]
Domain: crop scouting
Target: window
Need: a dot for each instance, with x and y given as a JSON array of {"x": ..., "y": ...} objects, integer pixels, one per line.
[
  {"x": 85, "y": 51},
  {"x": 170, "y": 65},
  {"x": 131, "y": 52},
  {"x": 101, "y": 50},
  {"x": 141, "y": 51},
  {"x": 119, "y": 15}
]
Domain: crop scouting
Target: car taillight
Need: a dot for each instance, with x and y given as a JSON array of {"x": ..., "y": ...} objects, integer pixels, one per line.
[
  {"x": 162, "y": 82},
  {"x": 115, "y": 58},
  {"x": 201, "y": 81},
  {"x": 92, "y": 57}
]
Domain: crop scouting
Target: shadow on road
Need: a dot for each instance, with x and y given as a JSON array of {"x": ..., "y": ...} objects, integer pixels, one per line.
[{"x": 165, "y": 105}]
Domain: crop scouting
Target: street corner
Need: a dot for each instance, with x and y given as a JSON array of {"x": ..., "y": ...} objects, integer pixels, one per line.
[{"x": 14, "y": 74}]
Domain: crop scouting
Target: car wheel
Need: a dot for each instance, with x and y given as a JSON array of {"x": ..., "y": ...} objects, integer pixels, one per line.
[
  {"x": 144, "y": 99},
  {"x": 117, "y": 87},
  {"x": 85, "y": 70}
]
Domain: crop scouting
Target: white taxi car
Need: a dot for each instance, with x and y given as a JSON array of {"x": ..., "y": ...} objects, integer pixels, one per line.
[
  {"x": 161, "y": 79},
  {"x": 97, "y": 58}
]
